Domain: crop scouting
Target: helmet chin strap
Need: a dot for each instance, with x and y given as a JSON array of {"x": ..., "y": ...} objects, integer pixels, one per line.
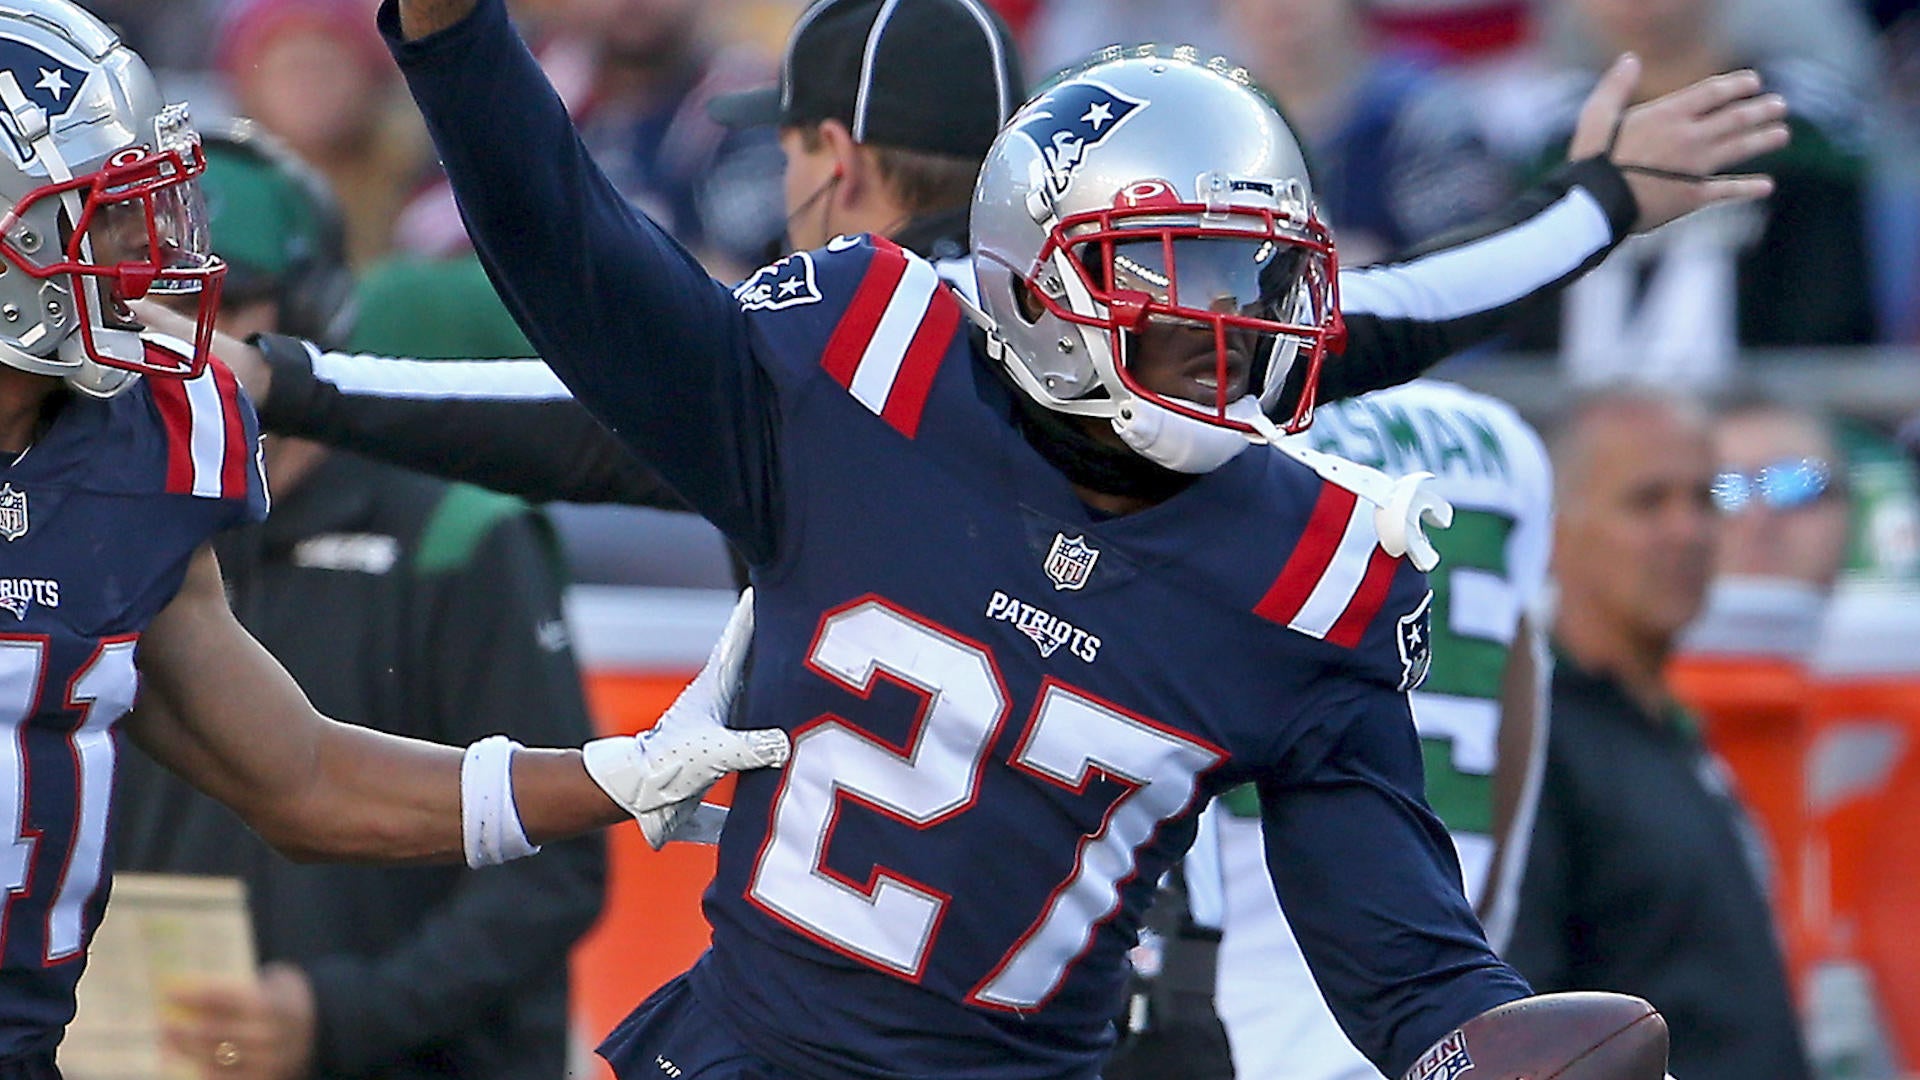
[{"x": 1181, "y": 443}]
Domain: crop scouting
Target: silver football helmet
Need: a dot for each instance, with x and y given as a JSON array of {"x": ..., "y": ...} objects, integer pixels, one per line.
[
  {"x": 1153, "y": 191},
  {"x": 97, "y": 174}
]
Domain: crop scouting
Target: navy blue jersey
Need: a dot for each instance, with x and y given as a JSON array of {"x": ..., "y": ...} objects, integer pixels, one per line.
[
  {"x": 1005, "y": 708},
  {"x": 98, "y": 521}
]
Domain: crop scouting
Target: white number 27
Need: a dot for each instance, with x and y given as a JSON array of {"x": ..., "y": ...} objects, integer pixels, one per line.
[{"x": 891, "y": 921}]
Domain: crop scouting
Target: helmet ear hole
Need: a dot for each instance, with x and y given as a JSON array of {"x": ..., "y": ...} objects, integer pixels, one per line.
[{"x": 1027, "y": 303}]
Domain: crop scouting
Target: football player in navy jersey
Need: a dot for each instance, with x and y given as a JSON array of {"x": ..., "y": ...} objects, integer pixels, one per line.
[
  {"x": 1033, "y": 579},
  {"x": 121, "y": 453}
]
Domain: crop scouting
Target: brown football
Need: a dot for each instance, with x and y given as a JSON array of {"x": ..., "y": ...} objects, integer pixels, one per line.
[{"x": 1577, "y": 1036}]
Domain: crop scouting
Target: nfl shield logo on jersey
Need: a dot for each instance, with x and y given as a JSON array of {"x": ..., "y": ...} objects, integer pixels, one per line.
[
  {"x": 1444, "y": 1060},
  {"x": 1416, "y": 644},
  {"x": 13, "y": 512},
  {"x": 1071, "y": 561}
]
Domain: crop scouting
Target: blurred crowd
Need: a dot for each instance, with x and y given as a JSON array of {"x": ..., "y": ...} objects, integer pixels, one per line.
[{"x": 1420, "y": 116}]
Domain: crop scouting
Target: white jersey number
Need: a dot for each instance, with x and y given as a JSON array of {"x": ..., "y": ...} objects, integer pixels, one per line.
[
  {"x": 101, "y": 692},
  {"x": 891, "y": 921}
]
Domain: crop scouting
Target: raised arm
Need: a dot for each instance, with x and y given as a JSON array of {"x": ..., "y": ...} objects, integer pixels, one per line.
[
  {"x": 1629, "y": 170},
  {"x": 508, "y": 425},
  {"x": 653, "y": 347}
]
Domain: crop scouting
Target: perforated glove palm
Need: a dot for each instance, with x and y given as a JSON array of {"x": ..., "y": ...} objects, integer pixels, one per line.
[{"x": 660, "y": 774}]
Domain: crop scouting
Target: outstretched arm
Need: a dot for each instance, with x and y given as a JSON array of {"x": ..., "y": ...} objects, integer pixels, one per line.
[
  {"x": 508, "y": 425},
  {"x": 221, "y": 712},
  {"x": 658, "y": 351},
  {"x": 1629, "y": 170}
]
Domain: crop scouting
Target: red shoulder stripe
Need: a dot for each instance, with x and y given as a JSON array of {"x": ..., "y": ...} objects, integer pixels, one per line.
[
  {"x": 850, "y": 338},
  {"x": 1367, "y": 600},
  {"x": 1311, "y": 556},
  {"x": 908, "y": 399},
  {"x": 176, "y": 416},
  {"x": 234, "y": 449}
]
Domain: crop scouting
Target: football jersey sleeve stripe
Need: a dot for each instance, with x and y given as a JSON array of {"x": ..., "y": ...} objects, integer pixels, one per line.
[
  {"x": 908, "y": 399},
  {"x": 208, "y": 441},
  {"x": 1337, "y": 587},
  {"x": 176, "y": 416},
  {"x": 233, "y": 463},
  {"x": 886, "y": 351},
  {"x": 848, "y": 343},
  {"x": 1311, "y": 555},
  {"x": 1367, "y": 600}
]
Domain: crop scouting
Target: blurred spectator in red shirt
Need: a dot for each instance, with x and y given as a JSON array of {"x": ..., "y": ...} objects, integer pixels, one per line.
[
  {"x": 1062, "y": 33},
  {"x": 315, "y": 73}
]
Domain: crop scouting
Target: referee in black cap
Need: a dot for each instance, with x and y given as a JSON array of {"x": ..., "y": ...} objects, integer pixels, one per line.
[
  {"x": 873, "y": 144},
  {"x": 885, "y": 110}
]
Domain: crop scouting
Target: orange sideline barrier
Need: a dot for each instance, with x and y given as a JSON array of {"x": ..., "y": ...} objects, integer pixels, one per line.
[
  {"x": 1870, "y": 850},
  {"x": 1826, "y": 761},
  {"x": 651, "y": 928},
  {"x": 1754, "y": 713}
]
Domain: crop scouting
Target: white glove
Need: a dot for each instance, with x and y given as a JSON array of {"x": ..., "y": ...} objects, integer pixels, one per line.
[{"x": 660, "y": 774}]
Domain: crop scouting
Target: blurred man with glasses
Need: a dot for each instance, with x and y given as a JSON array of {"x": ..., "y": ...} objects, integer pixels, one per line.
[
  {"x": 1645, "y": 874},
  {"x": 1783, "y": 494}
]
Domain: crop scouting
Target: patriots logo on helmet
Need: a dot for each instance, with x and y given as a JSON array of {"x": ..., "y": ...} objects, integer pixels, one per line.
[
  {"x": 787, "y": 283},
  {"x": 1069, "y": 121},
  {"x": 42, "y": 79}
]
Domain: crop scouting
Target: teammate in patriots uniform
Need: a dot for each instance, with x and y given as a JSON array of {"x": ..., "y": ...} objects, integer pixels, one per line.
[
  {"x": 943, "y": 880},
  {"x": 1479, "y": 711},
  {"x": 121, "y": 454}
]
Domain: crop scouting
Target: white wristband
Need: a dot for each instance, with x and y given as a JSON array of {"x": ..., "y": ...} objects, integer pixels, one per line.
[{"x": 489, "y": 820}]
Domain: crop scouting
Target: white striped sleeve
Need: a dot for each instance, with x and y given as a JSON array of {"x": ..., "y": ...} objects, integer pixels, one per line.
[
  {"x": 1485, "y": 274},
  {"x": 378, "y": 376}
]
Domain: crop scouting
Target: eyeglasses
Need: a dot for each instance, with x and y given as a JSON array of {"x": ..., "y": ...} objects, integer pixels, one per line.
[{"x": 1784, "y": 485}]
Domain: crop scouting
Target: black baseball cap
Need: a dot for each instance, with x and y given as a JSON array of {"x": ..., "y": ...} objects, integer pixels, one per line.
[{"x": 934, "y": 75}]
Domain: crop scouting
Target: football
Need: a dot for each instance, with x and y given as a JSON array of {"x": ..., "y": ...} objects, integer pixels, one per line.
[{"x": 1577, "y": 1036}]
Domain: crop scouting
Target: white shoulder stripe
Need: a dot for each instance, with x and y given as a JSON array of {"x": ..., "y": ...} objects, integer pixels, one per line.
[
  {"x": 1485, "y": 274},
  {"x": 207, "y": 443},
  {"x": 879, "y": 365},
  {"x": 960, "y": 274},
  {"x": 377, "y": 376},
  {"x": 1336, "y": 588}
]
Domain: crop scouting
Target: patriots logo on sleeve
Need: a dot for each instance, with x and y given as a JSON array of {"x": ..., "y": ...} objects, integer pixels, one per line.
[
  {"x": 1069, "y": 121},
  {"x": 42, "y": 79},
  {"x": 787, "y": 283},
  {"x": 1415, "y": 640}
]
